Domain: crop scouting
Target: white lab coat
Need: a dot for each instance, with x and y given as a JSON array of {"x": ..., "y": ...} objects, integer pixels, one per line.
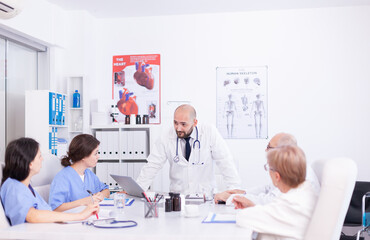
[
  {"x": 286, "y": 217},
  {"x": 197, "y": 174},
  {"x": 267, "y": 193}
]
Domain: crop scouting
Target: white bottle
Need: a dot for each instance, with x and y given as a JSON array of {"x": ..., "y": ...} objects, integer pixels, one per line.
[
  {"x": 133, "y": 119},
  {"x": 114, "y": 114},
  {"x": 79, "y": 126}
]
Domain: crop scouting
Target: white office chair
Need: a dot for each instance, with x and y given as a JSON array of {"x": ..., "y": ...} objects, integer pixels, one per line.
[
  {"x": 3, "y": 220},
  {"x": 337, "y": 178},
  {"x": 41, "y": 182}
]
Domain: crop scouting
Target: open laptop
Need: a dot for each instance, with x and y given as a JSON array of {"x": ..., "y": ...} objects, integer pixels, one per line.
[{"x": 129, "y": 185}]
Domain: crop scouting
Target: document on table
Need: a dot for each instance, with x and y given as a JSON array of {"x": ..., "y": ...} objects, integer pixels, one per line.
[
  {"x": 110, "y": 202},
  {"x": 219, "y": 218},
  {"x": 103, "y": 214}
]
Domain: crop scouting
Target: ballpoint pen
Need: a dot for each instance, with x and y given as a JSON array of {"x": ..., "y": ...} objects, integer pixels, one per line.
[
  {"x": 145, "y": 196},
  {"x": 92, "y": 199}
]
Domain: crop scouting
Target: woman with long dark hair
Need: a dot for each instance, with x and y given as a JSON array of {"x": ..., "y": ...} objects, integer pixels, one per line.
[
  {"x": 71, "y": 186},
  {"x": 21, "y": 202}
]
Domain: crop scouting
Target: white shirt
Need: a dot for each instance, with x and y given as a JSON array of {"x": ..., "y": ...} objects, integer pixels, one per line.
[
  {"x": 267, "y": 193},
  {"x": 286, "y": 217},
  {"x": 197, "y": 174}
]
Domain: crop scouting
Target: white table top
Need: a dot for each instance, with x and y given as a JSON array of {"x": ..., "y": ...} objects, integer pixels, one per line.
[{"x": 170, "y": 225}]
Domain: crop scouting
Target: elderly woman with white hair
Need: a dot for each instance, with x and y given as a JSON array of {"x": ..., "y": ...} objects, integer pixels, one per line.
[{"x": 287, "y": 216}]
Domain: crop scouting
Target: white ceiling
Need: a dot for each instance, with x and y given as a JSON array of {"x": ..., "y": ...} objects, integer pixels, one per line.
[{"x": 140, "y": 8}]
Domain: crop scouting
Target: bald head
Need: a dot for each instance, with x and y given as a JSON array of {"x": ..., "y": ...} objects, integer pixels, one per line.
[
  {"x": 282, "y": 139},
  {"x": 184, "y": 120},
  {"x": 186, "y": 109}
]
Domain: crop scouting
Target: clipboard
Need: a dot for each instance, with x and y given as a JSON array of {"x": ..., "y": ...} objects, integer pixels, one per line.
[{"x": 219, "y": 218}]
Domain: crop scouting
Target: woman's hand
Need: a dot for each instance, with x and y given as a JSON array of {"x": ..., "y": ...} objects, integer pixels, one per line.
[
  {"x": 242, "y": 202},
  {"x": 98, "y": 197},
  {"x": 89, "y": 210}
]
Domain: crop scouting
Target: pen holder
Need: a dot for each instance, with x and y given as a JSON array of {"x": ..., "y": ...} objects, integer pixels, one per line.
[{"x": 150, "y": 209}]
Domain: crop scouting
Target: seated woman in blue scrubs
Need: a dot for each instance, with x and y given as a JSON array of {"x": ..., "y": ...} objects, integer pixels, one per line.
[
  {"x": 21, "y": 202},
  {"x": 71, "y": 185}
]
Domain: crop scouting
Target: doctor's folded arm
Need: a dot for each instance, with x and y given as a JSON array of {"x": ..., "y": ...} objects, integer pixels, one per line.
[{"x": 192, "y": 150}]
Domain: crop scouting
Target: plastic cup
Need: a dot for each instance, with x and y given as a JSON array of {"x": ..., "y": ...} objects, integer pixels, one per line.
[{"x": 119, "y": 202}]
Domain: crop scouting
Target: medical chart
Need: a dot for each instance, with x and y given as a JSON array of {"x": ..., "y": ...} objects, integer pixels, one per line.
[
  {"x": 242, "y": 102},
  {"x": 136, "y": 86}
]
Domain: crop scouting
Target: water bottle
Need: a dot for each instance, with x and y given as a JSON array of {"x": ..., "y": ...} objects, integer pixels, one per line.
[{"x": 76, "y": 99}]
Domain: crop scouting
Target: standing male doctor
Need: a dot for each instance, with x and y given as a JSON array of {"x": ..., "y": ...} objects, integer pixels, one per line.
[{"x": 191, "y": 151}]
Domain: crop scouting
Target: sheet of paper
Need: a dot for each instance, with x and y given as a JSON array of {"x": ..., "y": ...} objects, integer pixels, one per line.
[{"x": 103, "y": 214}]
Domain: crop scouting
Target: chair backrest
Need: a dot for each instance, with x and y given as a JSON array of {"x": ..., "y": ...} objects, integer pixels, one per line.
[
  {"x": 337, "y": 178},
  {"x": 3, "y": 220},
  {"x": 2, "y": 164},
  {"x": 41, "y": 182}
]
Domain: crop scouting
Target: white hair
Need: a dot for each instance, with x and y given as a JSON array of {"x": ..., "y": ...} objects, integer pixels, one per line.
[{"x": 286, "y": 139}]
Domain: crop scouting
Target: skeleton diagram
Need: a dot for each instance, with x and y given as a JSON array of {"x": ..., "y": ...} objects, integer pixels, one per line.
[
  {"x": 259, "y": 110},
  {"x": 230, "y": 110},
  {"x": 244, "y": 104}
]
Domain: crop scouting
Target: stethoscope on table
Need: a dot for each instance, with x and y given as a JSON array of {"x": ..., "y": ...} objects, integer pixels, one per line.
[
  {"x": 110, "y": 223},
  {"x": 196, "y": 146}
]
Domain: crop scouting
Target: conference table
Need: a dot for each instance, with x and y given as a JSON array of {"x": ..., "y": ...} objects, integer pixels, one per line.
[{"x": 168, "y": 225}]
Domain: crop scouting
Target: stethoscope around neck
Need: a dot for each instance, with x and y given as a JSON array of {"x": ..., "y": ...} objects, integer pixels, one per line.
[{"x": 196, "y": 145}]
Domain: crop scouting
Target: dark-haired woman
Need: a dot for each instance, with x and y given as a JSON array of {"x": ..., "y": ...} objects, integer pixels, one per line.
[
  {"x": 21, "y": 202},
  {"x": 70, "y": 186}
]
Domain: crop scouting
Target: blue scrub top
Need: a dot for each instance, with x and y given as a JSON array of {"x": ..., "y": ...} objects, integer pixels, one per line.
[
  {"x": 68, "y": 186},
  {"x": 17, "y": 200}
]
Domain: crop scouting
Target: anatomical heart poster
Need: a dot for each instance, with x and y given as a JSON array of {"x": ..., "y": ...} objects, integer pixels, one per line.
[
  {"x": 242, "y": 102},
  {"x": 137, "y": 86}
]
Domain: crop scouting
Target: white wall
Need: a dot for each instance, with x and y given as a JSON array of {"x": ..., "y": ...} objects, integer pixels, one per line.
[
  {"x": 70, "y": 36},
  {"x": 318, "y": 63}
]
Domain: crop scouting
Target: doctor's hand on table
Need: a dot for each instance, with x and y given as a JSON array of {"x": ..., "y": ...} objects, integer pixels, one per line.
[
  {"x": 223, "y": 196},
  {"x": 242, "y": 202}
]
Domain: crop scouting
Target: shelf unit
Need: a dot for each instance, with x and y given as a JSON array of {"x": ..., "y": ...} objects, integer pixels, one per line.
[
  {"x": 123, "y": 150},
  {"x": 76, "y": 122},
  {"x": 45, "y": 119}
]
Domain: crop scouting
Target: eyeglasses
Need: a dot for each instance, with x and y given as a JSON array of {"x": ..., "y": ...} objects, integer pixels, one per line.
[
  {"x": 268, "y": 147},
  {"x": 267, "y": 168}
]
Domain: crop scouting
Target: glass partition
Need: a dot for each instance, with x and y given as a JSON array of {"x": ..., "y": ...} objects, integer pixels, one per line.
[{"x": 21, "y": 76}]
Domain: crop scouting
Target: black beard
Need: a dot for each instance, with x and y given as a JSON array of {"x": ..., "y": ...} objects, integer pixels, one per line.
[{"x": 185, "y": 135}]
